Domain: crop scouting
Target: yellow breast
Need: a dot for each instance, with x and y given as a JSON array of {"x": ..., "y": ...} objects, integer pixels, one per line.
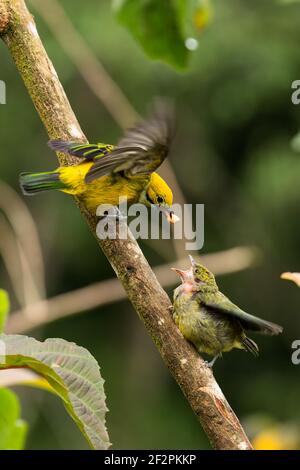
[{"x": 105, "y": 190}]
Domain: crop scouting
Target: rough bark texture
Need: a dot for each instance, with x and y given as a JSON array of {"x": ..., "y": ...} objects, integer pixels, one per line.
[
  {"x": 4, "y": 16},
  {"x": 148, "y": 298}
]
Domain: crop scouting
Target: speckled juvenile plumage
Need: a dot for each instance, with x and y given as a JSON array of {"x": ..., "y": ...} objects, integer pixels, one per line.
[{"x": 209, "y": 320}]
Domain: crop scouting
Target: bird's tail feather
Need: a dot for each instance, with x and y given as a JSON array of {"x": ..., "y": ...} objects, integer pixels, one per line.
[
  {"x": 250, "y": 346},
  {"x": 32, "y": 183}
]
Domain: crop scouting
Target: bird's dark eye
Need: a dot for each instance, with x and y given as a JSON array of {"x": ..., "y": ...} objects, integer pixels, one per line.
[
  {"x": 197, "y": 271},
  {"x": 149, "y": 199},
  {"x": 160, "y": 199}
]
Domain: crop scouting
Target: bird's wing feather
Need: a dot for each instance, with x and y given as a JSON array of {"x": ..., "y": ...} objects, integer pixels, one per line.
[
  {"x": 141, "y": 150},
  {"x": 222, "y": 304},
  {"x": 81, "y": 150}
]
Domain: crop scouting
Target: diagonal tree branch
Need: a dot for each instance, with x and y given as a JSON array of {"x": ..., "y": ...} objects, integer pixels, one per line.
[{"x": 147, "y": 296}]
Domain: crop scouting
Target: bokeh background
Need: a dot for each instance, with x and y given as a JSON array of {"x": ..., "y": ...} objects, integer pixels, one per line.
[{"x": 233, "y": 153}]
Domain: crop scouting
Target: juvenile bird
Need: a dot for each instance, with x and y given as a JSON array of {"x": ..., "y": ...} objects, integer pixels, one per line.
[
  {"x": 209, "y": 320},
  {"x": 106, "y": 172}
]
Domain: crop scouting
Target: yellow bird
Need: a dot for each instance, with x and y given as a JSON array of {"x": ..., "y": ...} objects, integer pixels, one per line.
[{"x": 107, "y": 172}]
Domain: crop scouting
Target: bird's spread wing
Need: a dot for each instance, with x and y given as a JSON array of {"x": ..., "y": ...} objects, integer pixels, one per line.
[
  {"x": 84, "y": 151},
  {"x": 223, "y": 305},
  {"x": 142, "y": 149}
]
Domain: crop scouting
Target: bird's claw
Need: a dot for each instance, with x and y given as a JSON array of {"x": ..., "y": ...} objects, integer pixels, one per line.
[
  {"x": 115, "y": 214},
  {"x": 210, "y": 364}
]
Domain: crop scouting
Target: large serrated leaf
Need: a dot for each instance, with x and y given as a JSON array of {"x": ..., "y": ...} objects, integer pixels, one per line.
[
  {"x": 4, "y": 308},
  {"x": 73, "y": 373},
  {"x": 12, "y": 429}
]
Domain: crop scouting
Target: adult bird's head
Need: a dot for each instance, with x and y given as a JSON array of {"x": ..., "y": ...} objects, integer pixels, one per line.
[
  {"x": 137, "y": 156},
  {"x": 203, "y": 278},
  {"x": 159, "y": 195}
]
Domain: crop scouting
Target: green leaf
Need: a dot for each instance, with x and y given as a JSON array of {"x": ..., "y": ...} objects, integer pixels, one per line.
[
  {"x": 24, "y": 377},
  {"x": 13, "y": 430},
  {"x": 158, "y": 26},
  {"x": 72, "y": 372},
  {"x": 4, "y": 308}
]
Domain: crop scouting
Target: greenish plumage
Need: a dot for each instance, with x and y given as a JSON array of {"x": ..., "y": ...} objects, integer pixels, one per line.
[
  {"x": 209, "y": 320},
  {"x": 32, "y": 183}
]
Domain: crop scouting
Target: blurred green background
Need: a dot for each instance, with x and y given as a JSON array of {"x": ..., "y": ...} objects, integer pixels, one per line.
[{"x": 233, "y": 153}]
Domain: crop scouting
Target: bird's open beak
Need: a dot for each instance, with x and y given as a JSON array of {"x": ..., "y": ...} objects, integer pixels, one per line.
[
  {"x": 185, "y": 276},
  {"x": 193, "y": 262},
  {"x": 169, "y": 213}
]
